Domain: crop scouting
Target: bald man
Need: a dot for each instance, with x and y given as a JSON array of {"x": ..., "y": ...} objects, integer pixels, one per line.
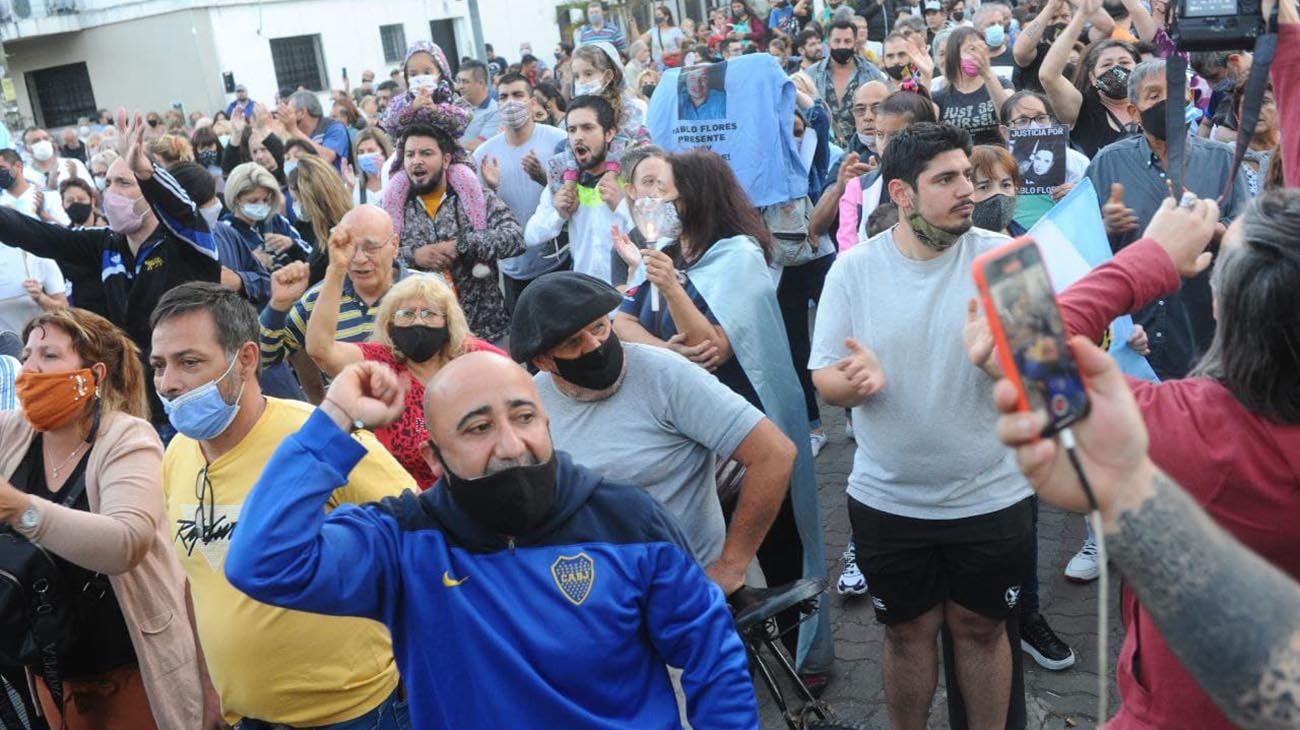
[
  {"x": 373, "y": 270},
  {"x": 521, "y": 591}
]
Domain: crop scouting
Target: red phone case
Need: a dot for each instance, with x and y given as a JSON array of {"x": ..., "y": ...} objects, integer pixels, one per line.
[{"x": 1001, "y": 348}]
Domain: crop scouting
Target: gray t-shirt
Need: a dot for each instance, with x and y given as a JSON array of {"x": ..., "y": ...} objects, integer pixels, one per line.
[
  {"x": 659, "y": 430},
  {"x": 926, "y": 448},
  {"x": 521, "y": 192}
]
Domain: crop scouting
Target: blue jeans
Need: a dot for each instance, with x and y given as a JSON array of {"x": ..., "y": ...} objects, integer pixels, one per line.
[{"x": 389, "y": 715}]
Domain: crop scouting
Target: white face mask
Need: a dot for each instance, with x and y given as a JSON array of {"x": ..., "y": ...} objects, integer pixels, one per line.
[
  {"x": 588, "y": 88},
  {"x": 299, "y": 213},
  {"x": 43, "y": 150},
  {"x": 423, "y": 81},
  {"x": 256, "y": 211},
  {"x": 223, "y": 140},
  {"x": 289, "y": 167},
  {"x": 101, "y": 182},
  {"x": 211, "y": 214}
]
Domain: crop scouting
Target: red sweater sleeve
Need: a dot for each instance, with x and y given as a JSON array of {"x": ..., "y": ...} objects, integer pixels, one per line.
[
  {"x": 1139, "y": 273},
  {"x": 1286, "y": 89}
]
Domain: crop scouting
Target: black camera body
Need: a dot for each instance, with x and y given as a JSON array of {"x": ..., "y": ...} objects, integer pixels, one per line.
[{"x": 1217, "y": 25}]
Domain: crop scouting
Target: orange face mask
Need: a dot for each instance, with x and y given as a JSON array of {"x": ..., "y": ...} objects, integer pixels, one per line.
[{"x": 50, "y": 400}]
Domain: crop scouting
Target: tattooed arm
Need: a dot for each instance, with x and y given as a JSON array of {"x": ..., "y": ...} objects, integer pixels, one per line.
[{"x": 1232, "y": 619}]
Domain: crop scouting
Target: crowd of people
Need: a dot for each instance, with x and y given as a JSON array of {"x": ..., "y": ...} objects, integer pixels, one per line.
[{"x": 551, "y": 366}]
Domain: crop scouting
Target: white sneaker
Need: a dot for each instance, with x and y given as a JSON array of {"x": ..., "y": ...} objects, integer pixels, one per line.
[
  {"x": 851, "y": 582},
  {"x": 1083, "y": 567},
  {"x": 818, "y": 442}
]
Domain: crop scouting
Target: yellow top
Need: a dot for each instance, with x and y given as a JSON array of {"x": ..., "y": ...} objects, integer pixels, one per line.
[
  {"x": 433, "y": 201},
  {"x": 267, "y": 663}
]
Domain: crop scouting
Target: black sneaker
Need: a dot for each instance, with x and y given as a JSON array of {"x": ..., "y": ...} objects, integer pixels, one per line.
[{"x": 1039, "y": 641}]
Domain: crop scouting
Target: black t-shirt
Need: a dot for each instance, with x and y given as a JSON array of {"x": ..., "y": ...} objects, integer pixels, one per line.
[
  {"x": 1093, "y": 129},
  {"x": 975, "y": 112},
  {"x": 101, "y": 641},
  {"x": 1025, "y": 78}
]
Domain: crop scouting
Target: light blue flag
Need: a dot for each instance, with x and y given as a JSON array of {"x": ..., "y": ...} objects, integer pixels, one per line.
[{"x": 1069, "y": 256}]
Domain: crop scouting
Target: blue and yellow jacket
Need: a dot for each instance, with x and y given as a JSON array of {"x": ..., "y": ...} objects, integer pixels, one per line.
[{"x": 570, "y": 626}]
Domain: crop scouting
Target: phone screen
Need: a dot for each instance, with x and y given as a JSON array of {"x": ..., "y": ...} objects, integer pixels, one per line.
[{"x": 1035, "y": 336}]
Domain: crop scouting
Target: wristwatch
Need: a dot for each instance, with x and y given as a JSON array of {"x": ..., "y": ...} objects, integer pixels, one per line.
[{"x": 29, "y": 519}]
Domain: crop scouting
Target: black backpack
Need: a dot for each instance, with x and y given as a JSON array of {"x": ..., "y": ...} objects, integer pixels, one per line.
[{"x": 37, "y": 599}]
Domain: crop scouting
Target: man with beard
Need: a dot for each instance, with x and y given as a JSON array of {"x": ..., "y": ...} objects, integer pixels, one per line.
[
  {"x": 839, "y": 77},
  {"x": 456, "y": 226},
  {"x": 941, "y": 517},
  {"x": 808, "y": 44},
  {"x": 517, "y": 568},
  {"x": 584, "y": 211}
]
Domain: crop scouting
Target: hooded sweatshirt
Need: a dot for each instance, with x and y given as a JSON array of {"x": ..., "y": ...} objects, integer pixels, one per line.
[
  {"x": 1243, "y": 469},
  {"x": 568, "y": 626}
]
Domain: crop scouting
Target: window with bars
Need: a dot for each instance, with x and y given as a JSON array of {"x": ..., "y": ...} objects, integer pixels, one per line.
[
  {"x": 394, "y": 39},
  {"x": 61, "y": 94},
  {"x": 298, "y": 62}
]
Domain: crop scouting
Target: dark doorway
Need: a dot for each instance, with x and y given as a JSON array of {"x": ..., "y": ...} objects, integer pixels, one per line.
[
  {"x": 444, "y": 34},
  {"x": 61, "y": 94}
]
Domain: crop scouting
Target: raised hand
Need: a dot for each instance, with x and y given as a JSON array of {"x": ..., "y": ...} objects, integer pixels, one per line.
[
  {"x": 979, "y": 340},
  {"x": 288, "y": 284},
  {"x": 533, "y": 168},
  {"x": 1119, "y": 218},
  {"x": 490, "y": 169},
  {"x": 131, "y": 145},
  {"x": 862, "y": 369},
  {"x": 365, "y": 392},
  {"x": 1184, "y": 233},
  {"x": 624, "y": 247},
  {"x": 1112, "y": 440},
  {"x": 610, "y": 191},
  {"x": 341, "y": 248}
]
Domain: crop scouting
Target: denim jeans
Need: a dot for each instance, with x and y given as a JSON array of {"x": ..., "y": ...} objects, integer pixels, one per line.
[{"x": 391, "y": 714}]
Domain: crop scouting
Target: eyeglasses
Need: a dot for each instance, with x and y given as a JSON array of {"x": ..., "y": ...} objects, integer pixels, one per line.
[
  {"x": 860, "y": 110},
  {"x": 1041, "y": 120},
  {"x": 404, "y": 317},
  {"x": 205, "y": 515}
]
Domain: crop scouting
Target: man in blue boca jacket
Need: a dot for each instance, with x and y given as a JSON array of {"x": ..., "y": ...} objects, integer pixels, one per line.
[{"x": 521, "y": 591}]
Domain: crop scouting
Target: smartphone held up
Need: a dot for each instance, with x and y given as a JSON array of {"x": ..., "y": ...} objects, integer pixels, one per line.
[{"x": 1030, "y": 339}]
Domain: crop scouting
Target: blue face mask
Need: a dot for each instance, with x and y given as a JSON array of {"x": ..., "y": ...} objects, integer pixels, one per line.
[
  {"x": 995, "y": 35},
  {"x": 202, "y": 413}
]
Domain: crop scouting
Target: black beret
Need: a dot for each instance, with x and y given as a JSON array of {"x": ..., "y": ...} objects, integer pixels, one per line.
[{"x": 554, "y": 307}]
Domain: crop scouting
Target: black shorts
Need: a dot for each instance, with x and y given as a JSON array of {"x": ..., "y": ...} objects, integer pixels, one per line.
[{"x": 913, "y": 565}]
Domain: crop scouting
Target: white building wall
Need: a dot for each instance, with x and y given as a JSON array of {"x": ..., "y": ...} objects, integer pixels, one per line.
[
  {"x": 508, "y": 23},
  {"x": 148, "y": 61},
  {"x": 349, "y": 31}
]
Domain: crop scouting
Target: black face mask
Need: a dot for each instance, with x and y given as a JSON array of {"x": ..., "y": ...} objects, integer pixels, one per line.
[
  {"x": 208, "y": 158},
  {"x": 842, "y": 55},
  {"x": 647, "y": 90},
  {"x": 419, "y": 342},
  {"x": 1113, "y": 83},
  {"x": 7, "y": 180},
  {"x": 957, "y": 15},
  {"x": 595, "y": 370},
  {"x": 1052, "y": 32},
  {"x": 1153, "y": 120},
  {"x": 510, "y": 502},
  {"x": 898, "y": 71},
  {"x": 78, "y": 213}
]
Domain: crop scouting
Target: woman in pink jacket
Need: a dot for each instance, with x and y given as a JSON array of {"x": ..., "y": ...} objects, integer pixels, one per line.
[{"x": 81, "y": 475}]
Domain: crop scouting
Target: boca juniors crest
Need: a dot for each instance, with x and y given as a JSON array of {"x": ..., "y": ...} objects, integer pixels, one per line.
[{"x": 574, "y": 575}]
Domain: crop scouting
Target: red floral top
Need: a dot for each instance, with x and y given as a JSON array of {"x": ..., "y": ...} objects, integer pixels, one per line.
[{"x": 404, "y": 437}]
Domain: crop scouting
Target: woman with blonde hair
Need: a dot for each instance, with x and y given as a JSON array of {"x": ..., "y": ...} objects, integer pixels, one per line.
[
  {"x": 81, "y": 475},
  {"x": 254, "y": 200},
  {"x": 419, "y": 327},
  {"x": 320, "y": 199},
  {"x": 172, "y": 148}
]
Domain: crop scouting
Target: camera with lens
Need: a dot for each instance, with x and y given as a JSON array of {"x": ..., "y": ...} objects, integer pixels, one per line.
[{"x": 1217, "y": 25}]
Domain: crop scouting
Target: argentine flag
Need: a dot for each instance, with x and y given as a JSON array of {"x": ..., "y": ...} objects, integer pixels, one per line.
[{"x": 1069, "y": 256}]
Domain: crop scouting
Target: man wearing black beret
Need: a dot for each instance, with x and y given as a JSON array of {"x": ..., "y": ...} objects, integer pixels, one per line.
[{"x": 645, "y": 415}]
